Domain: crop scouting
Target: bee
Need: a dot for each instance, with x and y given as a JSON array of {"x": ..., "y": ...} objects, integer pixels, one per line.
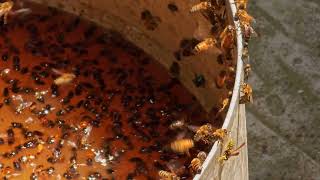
[
  {"x": 205, "y": 134},
  {"x": 165, "y": 175},
  {"x": 247, "y": 71},
  {"x": 7, "y": 171},
  {"x": 248, "y": 31},
  {"x": 39, "y": 148},
  {"x": 5, "y": 9},
  {"x": 4, "y": 74},
  {"x": 27, "y": 158},
  {"x": 230, "y": 151},
  {"x": 227, "y": 37},
  {"x": 220, "y": 79},
  {"x": 244, "y": 17},
  {"x": 201, "y": 6},
  {"x": 205, "y": 45},
  {"x": 83, "y": 124},
  {"x": 182, "y": 145},
  {"x": 242, "y": 4},
  {"x": 197, "y": 162},
  {"x": 224, "y": 104},
  {"x": 247, "y": 94},
  {"x": 220, "y": 134},
  {"x": 64, "y": 78},
  {"x": 245, "y": 53},
  {"x": 179, "y": 124}
]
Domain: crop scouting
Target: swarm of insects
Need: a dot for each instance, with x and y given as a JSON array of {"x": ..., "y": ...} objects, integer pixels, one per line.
[
  {"x": 197, "y": 162},
  {"x": 230, "y": 151},
  {"x": 165, "y": 175},
  {"x": 247, "y": 94},
  {"x": 182, "y": 146},
  {"x": 205, "y": 45}
]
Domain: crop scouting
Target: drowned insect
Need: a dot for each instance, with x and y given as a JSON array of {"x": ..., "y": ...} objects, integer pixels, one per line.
[
  {"x": 182, "y": 146},
  {"x": 247, "y": 94},
  {"x": 227, "y": 37},
  {"x": 247, "y": 71},
  {"x": 196, "y": 163},
  {"x": 201, "y": 6},
  {"x": 179, "y": 124},
  {"x": 230, "y": 151},
  {"x": 205, "y": 45},
  {"x": 165, "y": 175},
  {"x": 64, "y": 78}
]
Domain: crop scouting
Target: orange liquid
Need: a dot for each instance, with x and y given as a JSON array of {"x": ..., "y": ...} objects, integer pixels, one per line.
[{"x": 128, "y": 102}]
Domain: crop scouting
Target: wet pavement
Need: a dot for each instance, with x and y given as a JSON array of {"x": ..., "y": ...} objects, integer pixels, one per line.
[{"x": 283, "y": 122}]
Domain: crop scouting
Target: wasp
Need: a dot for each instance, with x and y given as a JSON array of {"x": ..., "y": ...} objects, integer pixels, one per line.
[
  {"x": 230, "y": 151},
  {"x": 182, "y": 145},
  {"x": 165, "y": 175},
  {"x": 64, "y": 78},
  {"x": 227, "y": 37},
  {"x": 197, "y": 162},
  {"x": 201, "y": 6},
  {"x": 205, "y": 45},
  {"x": 247, "y": 71},
  {"x": 247, "y": 94}
]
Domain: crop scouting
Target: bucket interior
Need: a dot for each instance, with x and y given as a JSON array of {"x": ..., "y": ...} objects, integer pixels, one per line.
[{"x": 133, "y": 71}]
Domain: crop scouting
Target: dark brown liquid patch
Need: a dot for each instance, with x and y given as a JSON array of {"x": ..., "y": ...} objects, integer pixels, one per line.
[{"x": 111, "y": 122}]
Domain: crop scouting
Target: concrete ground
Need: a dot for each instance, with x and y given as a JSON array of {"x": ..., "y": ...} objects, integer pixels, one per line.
[{"x": 284, "y": 121}]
